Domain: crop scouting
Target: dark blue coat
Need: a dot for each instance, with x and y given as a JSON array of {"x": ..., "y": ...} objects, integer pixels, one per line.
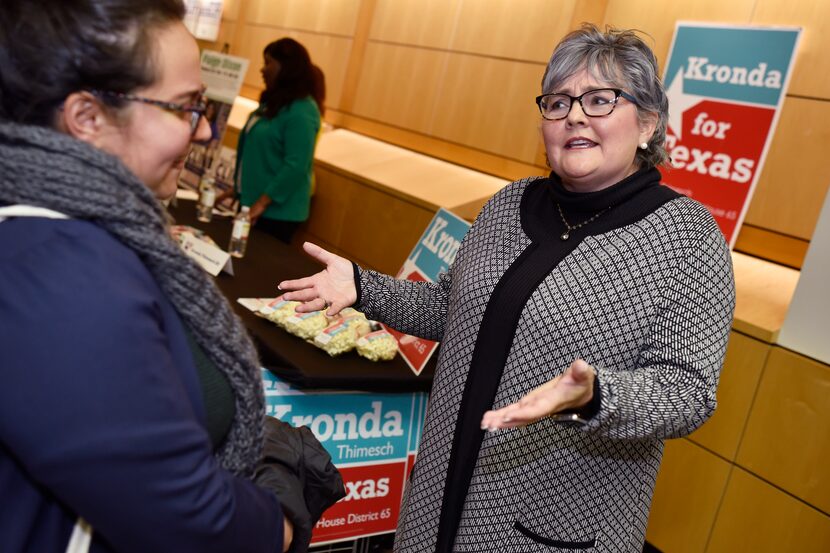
[{"x": 101, "y": 412}]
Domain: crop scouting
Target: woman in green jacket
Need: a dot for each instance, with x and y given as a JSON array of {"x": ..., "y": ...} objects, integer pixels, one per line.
[{"x": 276, "y": 146}]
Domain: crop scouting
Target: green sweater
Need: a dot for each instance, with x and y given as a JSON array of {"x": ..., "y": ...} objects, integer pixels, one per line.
[{"x": 275, "y": 158}]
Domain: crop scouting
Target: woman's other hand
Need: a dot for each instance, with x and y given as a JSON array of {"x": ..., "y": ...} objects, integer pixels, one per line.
[
  {"x": 287, "y": 533},
  {"x": 572, "y": 389},
  {"x": 259, "y": 207},
  {"x": 331, "y": 289},
  {"x": 224, "y": 195}
]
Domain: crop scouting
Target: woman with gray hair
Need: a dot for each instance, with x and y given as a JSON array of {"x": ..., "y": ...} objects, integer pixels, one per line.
[{"x": 583, "y": 322}]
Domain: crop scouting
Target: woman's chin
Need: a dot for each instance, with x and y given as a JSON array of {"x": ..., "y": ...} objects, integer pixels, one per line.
[
  {"x": 166, "y": 188},
  {"x": 578, "y": 177}
]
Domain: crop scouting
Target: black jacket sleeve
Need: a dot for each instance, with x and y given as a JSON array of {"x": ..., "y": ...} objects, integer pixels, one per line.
[{"x": 297, "y": 468}]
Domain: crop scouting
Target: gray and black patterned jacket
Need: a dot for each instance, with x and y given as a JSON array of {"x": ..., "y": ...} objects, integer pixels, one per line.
[{"x": 649, "y": 305}]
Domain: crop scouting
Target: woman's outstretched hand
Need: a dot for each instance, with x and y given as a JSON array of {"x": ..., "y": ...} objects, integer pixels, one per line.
[
  {"x": 331, "y": 289},
  {"x": 573, "y": 388}
]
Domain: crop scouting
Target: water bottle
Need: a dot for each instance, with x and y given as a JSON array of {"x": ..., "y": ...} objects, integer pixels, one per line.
[
  {"x": 239, "y": 234},
  {"x": 207, "y": 197},
  {"x": 220, "y": 170}
]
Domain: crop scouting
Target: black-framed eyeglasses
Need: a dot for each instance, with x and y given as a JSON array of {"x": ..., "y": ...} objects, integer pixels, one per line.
[
  {"x": 196, "y": 109},
  {"x": 595, "y": 103}
]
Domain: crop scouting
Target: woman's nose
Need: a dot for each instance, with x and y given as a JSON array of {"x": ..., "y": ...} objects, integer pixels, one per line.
[
  {"x": 203, "y": 132},
  {"x": 576, "y": 115}
]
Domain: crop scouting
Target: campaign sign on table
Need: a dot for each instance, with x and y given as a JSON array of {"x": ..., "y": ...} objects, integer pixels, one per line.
[
  {"x": 726, "y": 85},
  {"x": 372, "y": 439},
  {"x": 432, "y": 255}
]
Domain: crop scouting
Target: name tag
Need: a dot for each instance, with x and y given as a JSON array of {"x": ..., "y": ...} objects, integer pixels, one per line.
[{"x": 212, "y": 259}]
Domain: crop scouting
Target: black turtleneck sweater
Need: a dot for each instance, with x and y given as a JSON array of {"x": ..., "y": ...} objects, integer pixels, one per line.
[{"x": 619, "y": 205}]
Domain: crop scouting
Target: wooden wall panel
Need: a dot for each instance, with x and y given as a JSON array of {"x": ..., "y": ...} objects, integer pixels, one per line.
[
  {"x": 741, "y": 373},
  {"x": 231, "y": 138},
  {"x": 485, "y": 162},
  {"x": 351, "y": 76},
  {"x": 498, "y": 115},
  {"x": 787, "y": 437},
  {"x": 253, "y": 40},
  {"x": 398, "y": 85},
  {"x": 774, "y": 246},
  {"x": 796, "y": 174},
  {"x": 756, "y": 517},
  {"x": 763, "y": 294},
  {"x": 323, "y": 16},
  {"x": 327, "y": 205},
  {"x": 686, "y": 498},
  {"x": 331, "y": 54},
  {"x": 227, "y": 32},
  {"x": 230, "y": 10},
  {"x": 520, "y": 31},
  {"x": 374, "y": 228},
  {"x": 658, "y": 18},
  {"x": 590, "y": 11},
  {"x": 429, "y": 23},
  {"x": 811, "y": 75},
  {"x": 383, "y": 229}
]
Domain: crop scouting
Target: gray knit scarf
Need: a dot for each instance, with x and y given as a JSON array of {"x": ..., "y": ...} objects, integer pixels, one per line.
[{"x": 45, "y": 168}]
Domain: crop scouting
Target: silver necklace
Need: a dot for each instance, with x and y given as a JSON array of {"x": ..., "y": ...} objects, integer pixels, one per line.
[{"x": 567, "y": 234}]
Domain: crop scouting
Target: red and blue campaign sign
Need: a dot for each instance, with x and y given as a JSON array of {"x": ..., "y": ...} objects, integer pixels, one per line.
[
  {"x": 372, "y": 440},
  {"x": 432, "y": 255},
  {"x": 725, "y": 86}
]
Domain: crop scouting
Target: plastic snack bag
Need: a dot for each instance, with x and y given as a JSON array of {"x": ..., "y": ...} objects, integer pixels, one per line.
[
  {"x": 306, "y": 325},
  {"x": 341, "y": 336},
  {"x": 377, "y": 346},
  {"x": 279, "y": 310}
]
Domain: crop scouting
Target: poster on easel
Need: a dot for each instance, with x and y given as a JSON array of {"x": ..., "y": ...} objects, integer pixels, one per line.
[
  {"x": 222, "y": 75},
  {"x": 726, "y": 85}
]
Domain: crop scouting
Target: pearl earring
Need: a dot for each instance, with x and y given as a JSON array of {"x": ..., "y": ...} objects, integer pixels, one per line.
[{"x": 644, "y": 145}]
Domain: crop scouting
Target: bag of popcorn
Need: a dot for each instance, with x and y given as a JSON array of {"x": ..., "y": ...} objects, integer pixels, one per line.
[{"x": 377, "y": 346}]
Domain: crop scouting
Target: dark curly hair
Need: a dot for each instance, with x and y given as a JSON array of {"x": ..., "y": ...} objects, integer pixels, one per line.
[
  {"x": 295, "y": 79},
  {"x": 52, "y": 48}
]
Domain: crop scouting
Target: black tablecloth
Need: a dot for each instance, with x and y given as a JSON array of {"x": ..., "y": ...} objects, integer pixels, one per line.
[{"x": 267, "y": 262}]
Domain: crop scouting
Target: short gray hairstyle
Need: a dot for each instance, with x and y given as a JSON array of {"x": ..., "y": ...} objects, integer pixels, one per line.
[{"x": 622, "y": 59}]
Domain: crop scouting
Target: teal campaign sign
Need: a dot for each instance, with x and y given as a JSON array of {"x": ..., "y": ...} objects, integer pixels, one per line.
[
  {"x": 732, "y": 63},
  {"x": 432, "y": 255},
  {"x": 725, "y": 85},
  {"x": 373, "y": 441},
  {"x": 353, "y": 427},
  {"x": 436, "y": 249}
]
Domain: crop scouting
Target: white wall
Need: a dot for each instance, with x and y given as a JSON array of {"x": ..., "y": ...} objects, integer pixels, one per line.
[{"x": 807, "y": 326}]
